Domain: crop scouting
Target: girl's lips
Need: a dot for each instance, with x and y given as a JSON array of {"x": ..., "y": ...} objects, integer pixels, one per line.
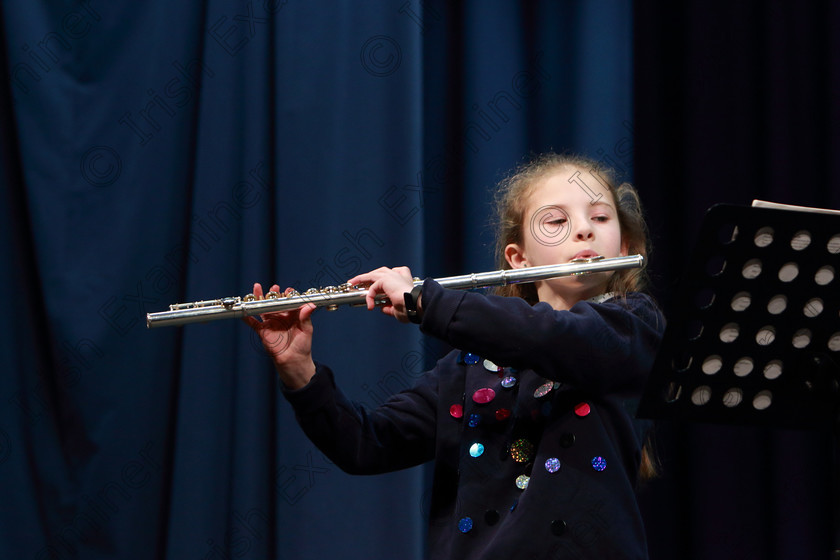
[{"x": 587, "y": 254}]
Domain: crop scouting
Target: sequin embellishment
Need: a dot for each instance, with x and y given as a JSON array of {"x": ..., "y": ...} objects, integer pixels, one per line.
[
  {"x": 476, "y": 450},
  {"x": 544, "y": 389},
  {"x": 599, "y": 463},
  {"x": 552, "y": 465},
  {"x": 470, "y": 358},
  {"x": 484, "y": 396},
  {"x": 521, "y": 450},
  {"x": 465, "y": 524},
  {"x": 490, "y": 366},
  {"x": 522, "y": 481},
  {"x": 582, "y": 409},
  {"x": 456, "y": 411},
  {"x": 508, "y": 381},
  {"x": 475, "y": 420},
  {"x": 502, "y": 414}
]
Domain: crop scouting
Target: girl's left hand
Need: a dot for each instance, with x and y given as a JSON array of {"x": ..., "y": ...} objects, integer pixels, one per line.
[{"x": 393, "y": 283}]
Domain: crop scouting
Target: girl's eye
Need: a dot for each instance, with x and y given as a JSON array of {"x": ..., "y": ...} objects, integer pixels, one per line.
[
  {"x": 557, "y": 221},
  {"x": 601, "y": 218}
]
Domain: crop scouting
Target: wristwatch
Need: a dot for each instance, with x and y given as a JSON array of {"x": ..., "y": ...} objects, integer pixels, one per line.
[{"x": 411, "y": 303}]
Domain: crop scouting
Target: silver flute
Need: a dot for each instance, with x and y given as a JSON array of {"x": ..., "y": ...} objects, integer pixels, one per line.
[{"x": 332, "y": 297}]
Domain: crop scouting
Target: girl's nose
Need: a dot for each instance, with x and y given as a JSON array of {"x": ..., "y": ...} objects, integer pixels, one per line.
[{"x": 583, "y": 230}]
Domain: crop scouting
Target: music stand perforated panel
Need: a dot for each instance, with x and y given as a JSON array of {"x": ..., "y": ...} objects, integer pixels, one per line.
[{"x": 756, "y": 338}]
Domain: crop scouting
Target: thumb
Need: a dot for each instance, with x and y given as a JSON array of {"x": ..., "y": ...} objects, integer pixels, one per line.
[{"x": 306, "y": 312}]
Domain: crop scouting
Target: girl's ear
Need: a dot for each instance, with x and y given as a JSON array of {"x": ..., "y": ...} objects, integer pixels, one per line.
[{"x": 515, "y": 257}]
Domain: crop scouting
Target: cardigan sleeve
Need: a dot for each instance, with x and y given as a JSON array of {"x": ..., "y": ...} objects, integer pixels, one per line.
[
  {"x": 396, "y": 435},
  {"x": 597, "y": 347}
]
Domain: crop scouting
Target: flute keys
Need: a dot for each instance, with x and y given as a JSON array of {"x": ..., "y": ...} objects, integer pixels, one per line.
[{"x": 272, "y": 295}]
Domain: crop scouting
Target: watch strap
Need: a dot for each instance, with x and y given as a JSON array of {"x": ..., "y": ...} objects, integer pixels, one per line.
[{"x": 411, "y": 303}]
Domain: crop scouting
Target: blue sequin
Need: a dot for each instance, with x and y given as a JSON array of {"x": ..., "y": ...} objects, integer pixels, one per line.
[
  {"x": 475, "y": 420},
  {"x": 552, "y": 465},
  {"x": 476, "y": 450},
  {"x": 599, "y": 463},
  {"x": 471, "y": 358},
  {"x": 465, "y": 524}
]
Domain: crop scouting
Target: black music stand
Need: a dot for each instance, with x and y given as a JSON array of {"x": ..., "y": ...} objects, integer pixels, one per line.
[{"x": 756, "y": 339}]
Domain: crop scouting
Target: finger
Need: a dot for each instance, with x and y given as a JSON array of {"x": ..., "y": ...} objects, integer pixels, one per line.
[
  {"x": 369, "y": 277},
  {"x": 370, "y": 297},
  {"x": 275, "y": 288},
  {"x": 388, "y": 310},
  {"x": 306, "y": 312},
  {"x": 405, "y": 272},
  {"x": 258, "y": 293},
  {"x": 273, "y": 316},
  {"x": 251, "y": 322}
]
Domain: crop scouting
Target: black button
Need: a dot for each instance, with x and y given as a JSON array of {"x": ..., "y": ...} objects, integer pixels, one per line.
[
  {"x": 491, "y": 516},
  {"x": 567, "y": 440},
  {"x": 558, "y": 527}
]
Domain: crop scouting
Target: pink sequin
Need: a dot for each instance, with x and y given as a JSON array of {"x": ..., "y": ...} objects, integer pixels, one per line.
[{"x": 484, "y": 396}]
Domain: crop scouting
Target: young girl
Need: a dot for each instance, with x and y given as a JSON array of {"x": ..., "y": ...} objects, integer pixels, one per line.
[{"x": 530, "y": 424}]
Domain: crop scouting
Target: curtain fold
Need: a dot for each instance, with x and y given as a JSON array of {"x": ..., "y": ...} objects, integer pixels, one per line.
[{"x": 157, "y": 153}]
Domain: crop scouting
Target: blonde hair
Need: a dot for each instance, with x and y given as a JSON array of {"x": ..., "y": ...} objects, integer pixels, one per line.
[{"x": 512, "y": 200}]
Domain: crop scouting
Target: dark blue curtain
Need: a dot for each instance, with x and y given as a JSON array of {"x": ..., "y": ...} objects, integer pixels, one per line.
[{"x": 156, "y": 152}]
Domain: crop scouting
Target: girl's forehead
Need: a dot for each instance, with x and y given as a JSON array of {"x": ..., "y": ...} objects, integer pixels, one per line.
[{"x": 571, "y": 183}]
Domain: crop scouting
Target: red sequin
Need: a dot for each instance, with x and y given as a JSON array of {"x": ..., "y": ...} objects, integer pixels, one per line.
[
  {"x": 456, "y": 411},
  {"x": 484, "y": 396},
  {"x": 502, "y": 414},
  {"x": 582, "y": 409}
]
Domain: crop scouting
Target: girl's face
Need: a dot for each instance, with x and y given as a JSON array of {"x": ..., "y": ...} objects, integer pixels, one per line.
[{"x": 568, "y": 215}]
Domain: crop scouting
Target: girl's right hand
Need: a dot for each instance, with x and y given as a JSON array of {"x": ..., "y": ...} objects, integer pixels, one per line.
[{"x": 287, "y": 337}]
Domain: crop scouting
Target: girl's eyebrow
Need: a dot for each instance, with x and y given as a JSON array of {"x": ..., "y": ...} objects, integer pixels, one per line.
[{"x": 601, "y": 202}]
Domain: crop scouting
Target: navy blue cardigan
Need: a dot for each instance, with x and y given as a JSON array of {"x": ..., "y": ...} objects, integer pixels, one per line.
[{"x": 535, "y": 459}]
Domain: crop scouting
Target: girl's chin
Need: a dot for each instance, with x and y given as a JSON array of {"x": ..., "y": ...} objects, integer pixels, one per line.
[{"x": 578, "y": 288}]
